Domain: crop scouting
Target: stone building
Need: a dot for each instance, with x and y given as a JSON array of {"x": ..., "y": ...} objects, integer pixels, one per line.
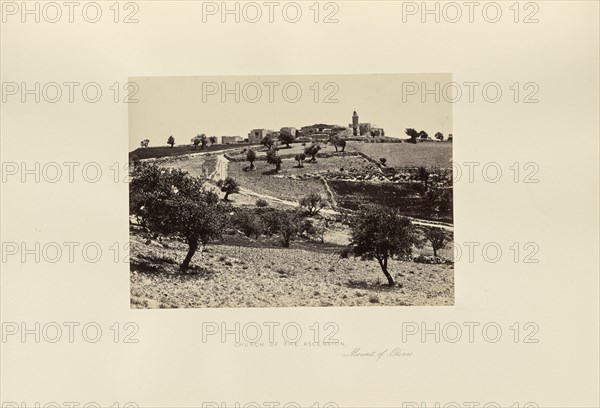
[
  {"x": 257, "y": 135},
  {"x": 355, "y": 124},
  {"x": 364, "y": 129}
]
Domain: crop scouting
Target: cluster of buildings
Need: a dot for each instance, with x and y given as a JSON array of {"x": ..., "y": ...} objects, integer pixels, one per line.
[{"x": 317, "y": 131}]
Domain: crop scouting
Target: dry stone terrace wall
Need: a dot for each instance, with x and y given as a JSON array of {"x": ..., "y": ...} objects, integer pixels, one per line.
[{"x": 241, "y": 158}]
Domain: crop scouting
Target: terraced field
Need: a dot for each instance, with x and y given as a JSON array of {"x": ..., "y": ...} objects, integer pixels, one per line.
[{"x": 427, "y": 154}]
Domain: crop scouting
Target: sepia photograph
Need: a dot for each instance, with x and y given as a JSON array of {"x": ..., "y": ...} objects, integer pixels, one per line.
[
  {"x": 241, "y": 204},
  {"x": 291, "y": 191}
]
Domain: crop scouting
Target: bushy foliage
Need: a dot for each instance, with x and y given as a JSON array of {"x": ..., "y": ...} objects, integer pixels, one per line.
[
  {"x": 267, "y": 141},
  {"x": 311, "y": 229},
  {"x": 413, "y": 134},
  {"x": 312, "y": 151},
  {"x": 274, "y": 159},
  {"x": 170, "y": 202},
  {"x": 286, "y": 137},
  {"x": 286, "y": 223},
  {"x": 260, "y": 203},
  {"x": 270, "y": 219},
  {"x": 300, "y": 157},
  {"x": 439, "y": 199},
  {"x": 289, "y": 226},
  {"x": 437, "y": 237},
  {"x": 250, "y": 223},
  {"x": 228, "y": 186},
  {"x": 313, "y": 203},
  {"x": 431, "y": 260},
  {"x": 171, "y": 141},
  {"x": 423, "y": 176},
  {"x": 251, "y": 157},
  {"x": 337, "y": 142},
  {"x": 379, "y": 232}
]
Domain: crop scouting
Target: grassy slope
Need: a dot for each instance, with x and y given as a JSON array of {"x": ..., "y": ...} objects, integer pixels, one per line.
[
  {"x": 240, "y": 273},
  {"x": 262, "y": 181},
  {"x": 428, "y": 154}
]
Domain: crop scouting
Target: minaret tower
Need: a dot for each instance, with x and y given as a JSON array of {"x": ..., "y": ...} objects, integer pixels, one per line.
[{"x": 355, "y": 123}]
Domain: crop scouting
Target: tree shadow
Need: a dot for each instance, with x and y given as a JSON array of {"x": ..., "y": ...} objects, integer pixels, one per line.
[
  {"x": 165, "y": 266},
  {"x": 151, "y": 264},
  {"x": 373, "y": 287}
]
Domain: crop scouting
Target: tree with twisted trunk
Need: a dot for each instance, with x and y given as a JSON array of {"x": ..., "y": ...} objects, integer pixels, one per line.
[
  {"x": 379, "y": 232},
  {"x": 171, "y": 202}
]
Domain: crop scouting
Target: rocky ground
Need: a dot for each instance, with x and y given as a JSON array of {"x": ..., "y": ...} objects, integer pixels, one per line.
[{"x": 236, "y": 273}]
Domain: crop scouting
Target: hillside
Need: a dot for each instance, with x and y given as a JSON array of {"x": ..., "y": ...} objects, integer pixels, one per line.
[
  {"x": 142, "y": 153},
  {"x": 238, "y": 271}
]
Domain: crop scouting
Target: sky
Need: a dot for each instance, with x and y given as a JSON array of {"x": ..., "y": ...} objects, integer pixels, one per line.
[{"x": 233, "y": 105}]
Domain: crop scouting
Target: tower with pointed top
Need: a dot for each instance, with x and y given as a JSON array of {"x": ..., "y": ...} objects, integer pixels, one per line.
[{"x": 355, "y": 124}]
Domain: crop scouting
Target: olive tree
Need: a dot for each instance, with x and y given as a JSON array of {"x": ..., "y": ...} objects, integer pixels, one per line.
[
  {"x": 313, "y": 203},
  {"x": 413, "y": 134},
  {"x": 312, "y": 151},
  {"x": 379, "y": 232},
  {"x": 286, "y": 137},
  {"x": 228, "y": 186},
  {"x": 300, "y": 157},
  {"x": 267, "y": 141},
  {"x": 251, "y": 157},
  {"x": 274, "y": 159},
  {"x": 171, "y": 202},
  {"x": 437, "y": 237}
]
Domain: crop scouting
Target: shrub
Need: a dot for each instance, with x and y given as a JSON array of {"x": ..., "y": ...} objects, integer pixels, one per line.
[
  {"x": 249, "y": 223},
  {"x": 313, "y": 203},
  {"x": 289, "y": 226},
  {"x": 228, "y": 186},
  {"x": 437, "y": 237},
  {"x": 261, "y": 203},
  {"x": 300, "y": 157},
  {"x": 251, "y": 157},
  {"x": 312, "y": 151},
  {"x": 274, "y": 159},
  {"x": 431, "y": 260},
  {"x": 267, "y": 141},
  {"x": 270, "y": 219},
  {"x": 346, "y": 252},
  {"x": 286, "y": 138}
]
